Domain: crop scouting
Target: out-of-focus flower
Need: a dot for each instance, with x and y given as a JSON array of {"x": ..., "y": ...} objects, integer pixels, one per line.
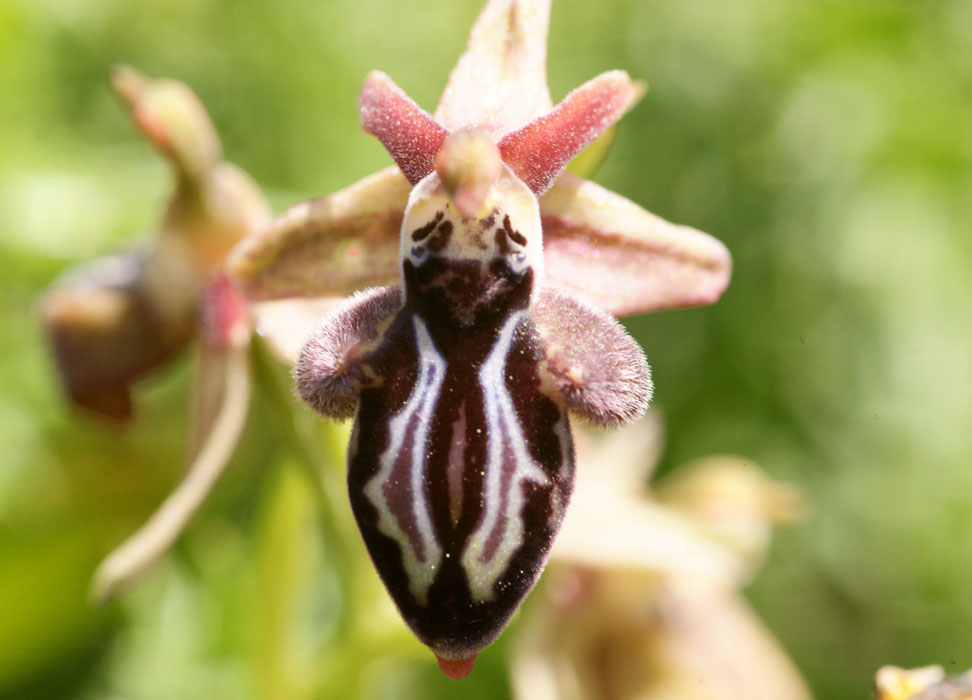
[
  {"x": 461, "y": 371},
  {"x": 642, "y": 596},
  {"x": 118, "y": 319},
  {"x": 735, "y": 501},
  {"x": 926, "y": 683}
]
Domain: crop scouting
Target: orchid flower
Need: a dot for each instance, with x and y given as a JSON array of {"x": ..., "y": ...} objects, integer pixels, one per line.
[
  {"x": 499, "y": 272},
  {"x": 925, "y": 683},
  {"x": 642, "y": 596},
  {"x": 119, "y": 319}
]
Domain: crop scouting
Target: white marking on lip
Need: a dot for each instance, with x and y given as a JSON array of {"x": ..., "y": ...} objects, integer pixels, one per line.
[
  {"x": 417, "y": 411},
  {"x": 503, "y": 431}
]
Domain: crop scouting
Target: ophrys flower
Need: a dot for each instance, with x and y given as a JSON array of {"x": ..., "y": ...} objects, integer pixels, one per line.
[
  {"x": 118, "y": 319},
  {"x": 461, "y": 372}
]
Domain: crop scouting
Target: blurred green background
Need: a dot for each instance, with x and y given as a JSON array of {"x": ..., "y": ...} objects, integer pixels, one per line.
[{"x": 828, "y": 144}]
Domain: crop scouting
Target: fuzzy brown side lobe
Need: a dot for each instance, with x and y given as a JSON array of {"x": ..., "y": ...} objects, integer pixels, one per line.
[
  {"x": 600, "y": 370},
  {"x": 453, "y": 623},
  {"x": 328, "y": 371}
]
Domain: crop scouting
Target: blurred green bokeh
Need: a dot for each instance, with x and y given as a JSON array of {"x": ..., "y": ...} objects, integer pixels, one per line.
[{"x": 828, "y": 144}]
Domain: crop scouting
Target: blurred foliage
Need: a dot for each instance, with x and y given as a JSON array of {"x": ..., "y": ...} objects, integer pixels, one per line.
[{"x": 829, "y": 144}]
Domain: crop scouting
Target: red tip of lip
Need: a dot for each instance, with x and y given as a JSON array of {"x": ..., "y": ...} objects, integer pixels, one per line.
[{"x": 456, "y": 669}]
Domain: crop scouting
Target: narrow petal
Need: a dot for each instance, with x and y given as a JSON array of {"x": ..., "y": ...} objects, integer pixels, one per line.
[
  {"x": 410, "y": 134},
  {"x": 500, "y": 82},
  {"x": 623, "y": 258},
  {"x": 139, "y": 552},
  {"x": 225, "y": 324},
  {"x": 220, "y": 413},
  {"x": 539, "y": 151},
  {"x": 330, "y": 246}
]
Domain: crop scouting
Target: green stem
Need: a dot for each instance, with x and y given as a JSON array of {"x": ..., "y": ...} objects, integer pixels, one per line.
[
  {"x": 323, "y": 469},
  {"x": 319, "y": 452},
  {"x": 280, "y": 563}
]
